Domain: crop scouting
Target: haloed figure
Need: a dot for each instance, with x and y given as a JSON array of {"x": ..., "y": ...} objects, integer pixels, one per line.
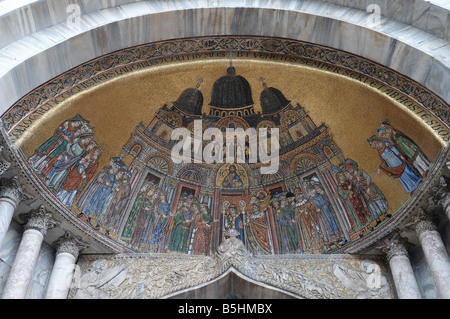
[{"x": 393, "y": 163}]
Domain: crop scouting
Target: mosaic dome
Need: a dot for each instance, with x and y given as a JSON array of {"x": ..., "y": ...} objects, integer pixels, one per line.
[
  {"x": 231, "y": 91},
  {"x": 272, "y": 100},
  {"x": 190, "y": 101}
]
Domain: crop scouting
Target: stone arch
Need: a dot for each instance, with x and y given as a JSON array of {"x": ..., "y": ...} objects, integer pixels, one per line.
[
  {"x": 288, "y": 118},
  {"x": 199, "y": 177},
  {"x": 303, "y": 162},
  {"x": 224, "y": 122},
  {"x": 233, "y": 284},
  {"x": 267, "y": 179},
  {"x": 327, "y": 151},
  {"x": 136, "y": 149},
  {"x": 220, "y": 171},
  {"x": 160, "y": 162},
  {"x": 173, "y": 118},
  {"x": 235, "y": 20}
]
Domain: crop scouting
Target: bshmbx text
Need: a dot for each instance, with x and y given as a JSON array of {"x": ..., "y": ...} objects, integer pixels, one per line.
[{"x": 226, "y": 309}]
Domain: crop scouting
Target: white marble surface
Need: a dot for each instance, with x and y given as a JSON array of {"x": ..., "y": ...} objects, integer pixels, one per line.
[
  {"x": 405, "y": 282},
  {"x": 46, "y": 46},
  {"x": 438, "y": 261},
  {"x": 422, "y": 274},
  {"x": 8, "y": 253},
  {"x": 41, "y": 273},
  {"x": 6, "y": 214},
  {"x": 42, "y": 269},
  {"x": 22, "y": 269},
  {"x": 61, "y": 277},
  {"x": 24, "y": 17}
]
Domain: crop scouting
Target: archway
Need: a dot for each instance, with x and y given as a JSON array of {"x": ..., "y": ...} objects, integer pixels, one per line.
[{"x": 232, "y": 285}]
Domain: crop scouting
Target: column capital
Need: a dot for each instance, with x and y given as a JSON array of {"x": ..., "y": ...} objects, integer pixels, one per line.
[
  {"x": 441, "y": 194},
  {"x": 68, "y": 243},
  {"x": 5, "y": 160},
  {"x": 395, "y": 245},
  {"x": 10, "y": 188},
  {"x": 39, "y": 219},
  {"x": 423, "y": 222}
]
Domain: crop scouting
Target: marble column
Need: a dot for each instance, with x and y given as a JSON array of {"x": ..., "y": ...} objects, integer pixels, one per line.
[
  {"x": 38, "y": 222},
  {"x": 67, "y": 249},
  {"x": 10, "y": 196},
  {"x": 402, "y": 272},
  {"x": 445, "y": 202},
  {"x": 435, "y": 253}
]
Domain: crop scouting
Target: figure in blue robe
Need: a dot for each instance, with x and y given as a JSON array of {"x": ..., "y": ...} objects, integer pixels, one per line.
[
  {"x": 394, "y": 164},
  {"x": 232, "y": 180},
  {"x": 234, "y": 220},
  {"x": 98, "y": 200},
  {"x": 159, "y": 235},
  {"x": 322, "y": 204}
]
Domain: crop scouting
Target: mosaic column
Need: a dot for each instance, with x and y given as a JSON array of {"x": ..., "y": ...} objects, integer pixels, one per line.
[
  {"x": 67, "y": 250},
  {"x": 402, "y": 272},
  {"x": 435, "y": 253},
  {"x": 10, "y": 197},
  {"x": 38, "y": 222}
]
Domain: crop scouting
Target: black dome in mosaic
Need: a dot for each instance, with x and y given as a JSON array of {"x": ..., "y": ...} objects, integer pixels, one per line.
[
  {"x": 190, "y": 101},
  {"x": 231, "y": 91},
  {"x": 272, "y": 100}
]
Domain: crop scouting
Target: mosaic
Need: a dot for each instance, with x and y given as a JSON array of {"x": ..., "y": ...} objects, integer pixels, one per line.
[
  {"x": 320, "y": 200},
  {"x": 317, "y": 202}
]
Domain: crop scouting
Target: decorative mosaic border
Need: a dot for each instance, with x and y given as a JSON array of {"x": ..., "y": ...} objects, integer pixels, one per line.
[{"x": 287, "y": 50}]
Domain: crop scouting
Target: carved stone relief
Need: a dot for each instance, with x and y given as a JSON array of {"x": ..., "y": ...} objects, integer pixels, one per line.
[{"x": 148, "y": 276}]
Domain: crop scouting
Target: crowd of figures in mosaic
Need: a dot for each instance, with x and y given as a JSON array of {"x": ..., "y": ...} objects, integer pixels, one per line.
[{"x": 317, "y": 202}]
